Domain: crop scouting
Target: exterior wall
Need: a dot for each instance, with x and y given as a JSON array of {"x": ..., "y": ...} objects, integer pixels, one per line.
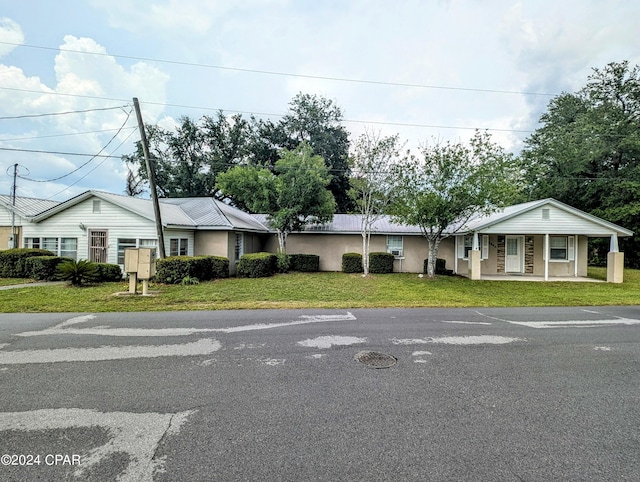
[
  {"x": 118, "y": 222},
  {"x": 213, "y": 243},
  {"x": 330, "y": 247},
  {"x": 5, "y": 235},
  {"x": 533, "y": 259}
]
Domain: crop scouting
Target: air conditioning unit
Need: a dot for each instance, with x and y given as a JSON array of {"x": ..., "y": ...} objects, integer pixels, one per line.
[{"x": 396, "y": 252}]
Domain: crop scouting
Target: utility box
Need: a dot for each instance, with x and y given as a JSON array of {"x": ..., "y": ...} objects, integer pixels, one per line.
[
  {"x": 146, "y": 264},
  {"x": 140, "y": 261},
  {"x": 139, "y": 265}
]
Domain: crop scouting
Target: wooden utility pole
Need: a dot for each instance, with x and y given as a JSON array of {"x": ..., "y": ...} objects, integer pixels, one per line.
[{"x": 151, "y": 173}]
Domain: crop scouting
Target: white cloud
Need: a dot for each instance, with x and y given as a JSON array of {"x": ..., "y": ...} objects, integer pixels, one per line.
[{"x": 11, "y": 33}]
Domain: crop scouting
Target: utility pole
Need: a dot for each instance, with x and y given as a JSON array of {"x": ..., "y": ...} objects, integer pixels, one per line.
[
  {"x": 13, "y": 210},
  {"x": 151, "y": 172}
]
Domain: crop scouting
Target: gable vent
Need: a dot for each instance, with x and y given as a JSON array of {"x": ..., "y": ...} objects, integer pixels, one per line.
[{"x": 545, "y": 214}]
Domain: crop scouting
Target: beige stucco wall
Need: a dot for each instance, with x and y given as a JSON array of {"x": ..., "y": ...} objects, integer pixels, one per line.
[
  {"x": 223, "y": 243},
  {"x": 5, "y": 235}
]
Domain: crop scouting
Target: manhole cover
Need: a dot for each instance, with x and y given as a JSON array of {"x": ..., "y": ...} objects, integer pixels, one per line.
[{"x": 374, "y": 359}]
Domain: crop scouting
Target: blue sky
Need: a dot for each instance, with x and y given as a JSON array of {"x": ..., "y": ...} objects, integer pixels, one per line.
[{"x": 97, "y": 54}]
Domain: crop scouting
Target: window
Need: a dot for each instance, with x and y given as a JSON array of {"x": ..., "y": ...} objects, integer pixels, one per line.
[
  {"x": 32, "y": 243},
  {"x": 464, "y": 247},
  {"x": 124, "y": 243},
  {"x": 558, "y": 248},
  {"x": 69, "y": 248},
  {"x": 395, "y": 245},
  {"x": 96, "y": 206},
  {"x": 178, "y": 247},
  {"x": 239, "y": 247},
  {"x": 50, "y": 244}
]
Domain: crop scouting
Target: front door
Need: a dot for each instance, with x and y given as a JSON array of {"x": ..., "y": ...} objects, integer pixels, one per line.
[
  {"x": 513, "y": 258},
  {"x": 98, "y": 246}
]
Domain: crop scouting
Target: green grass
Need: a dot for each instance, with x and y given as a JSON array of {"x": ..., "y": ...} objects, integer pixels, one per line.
[{"x": 325, "y": 290}]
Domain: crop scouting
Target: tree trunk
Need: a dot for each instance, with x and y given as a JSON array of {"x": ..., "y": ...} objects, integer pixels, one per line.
[
  {"x": 282, "y": 242},
  {"x": 434, "y": 244},
  {"x": 366, "y": 237}
]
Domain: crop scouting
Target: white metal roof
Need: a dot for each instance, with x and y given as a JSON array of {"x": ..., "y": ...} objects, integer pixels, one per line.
[{"x": 26, "y": 207}]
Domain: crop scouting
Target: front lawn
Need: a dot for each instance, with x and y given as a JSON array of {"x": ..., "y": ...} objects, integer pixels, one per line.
[{"x": 325, "y": 290}]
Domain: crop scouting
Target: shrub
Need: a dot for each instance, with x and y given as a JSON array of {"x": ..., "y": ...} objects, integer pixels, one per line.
[
  {"x": 77, "y": 272},
  {"x": 43, "y": 267},
  {"x": 257, "y": 265},
  {"x": 352, "y": 263},
  {"x": 381, "y": 263},
  {"x": 13, "y": 261},
  {"x": 108, "y": 272},
  {"x": 175, "y": 269},
  {"x": 284, "y": 262},
  {"x": 305, "y": 262}
]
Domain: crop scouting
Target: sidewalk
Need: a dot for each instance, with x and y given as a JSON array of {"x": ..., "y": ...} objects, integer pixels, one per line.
[{"x": 29, "y": 285}]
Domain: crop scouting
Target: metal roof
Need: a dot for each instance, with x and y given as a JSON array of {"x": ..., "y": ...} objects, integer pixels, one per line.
[
  {"x": 352, "y": 224},
  {"x": 26, "y": 207},
  {"x": 198, "y": 213}
]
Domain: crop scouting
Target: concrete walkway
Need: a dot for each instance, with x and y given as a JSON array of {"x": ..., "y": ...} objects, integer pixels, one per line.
[
  {"x": 30, "y": 285},
  {"x": 522, "y": 277}
]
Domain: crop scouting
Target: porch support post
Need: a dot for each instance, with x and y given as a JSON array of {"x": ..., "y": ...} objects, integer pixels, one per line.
[
  {"x": 455, "y": 252},
  {"x": 575, "y": 256},
  {"x": 546, "y": 257},
  {"x": 474, "y": 259},
  {"x": 615, "y": 262}
]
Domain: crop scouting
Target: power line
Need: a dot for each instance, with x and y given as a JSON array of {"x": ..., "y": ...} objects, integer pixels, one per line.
[
  {"x": 268, "y": 114},
  {"x": 26, "y": 116},
  {"x": 284, "y": 74},
  {"x": 61, "y": 135},
  {"x": 90, "y": 160}
]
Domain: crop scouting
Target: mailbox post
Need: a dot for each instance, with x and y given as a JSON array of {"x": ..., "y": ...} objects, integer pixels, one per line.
[{"x": 139, "y": 264}]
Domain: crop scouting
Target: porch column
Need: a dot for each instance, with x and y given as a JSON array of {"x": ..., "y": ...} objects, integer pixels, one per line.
[
  {"x": 546, "y": 257},
  {"x": 615, "y": 262},
  {"x": 474, "y": 259}
]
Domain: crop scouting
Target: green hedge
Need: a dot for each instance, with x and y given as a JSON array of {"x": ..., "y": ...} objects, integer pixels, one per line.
[
  {"x": 257, "y": 265},
  {"x": 13, "y": 261},
  {"x": 108, "y": 272},
  {"x": 174, "y": 269},
  {"x": 381, "y": 263},
  {"x": 43, "y": 268},
  {"x": 305, "y": 262},
  {"x": 352, "y": 263}
]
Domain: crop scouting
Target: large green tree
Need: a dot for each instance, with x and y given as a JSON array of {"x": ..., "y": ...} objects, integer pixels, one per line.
[
  {"x": 293, "y": 195},
  {"x": 188, "y": 159},
  {"x": 451, "y": 182},
  {"x": 587, "y": 151}
]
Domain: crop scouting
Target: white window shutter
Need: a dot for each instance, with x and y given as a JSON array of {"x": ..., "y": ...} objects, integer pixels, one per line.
[
  {"x": 460, "y": 246},
  {"x": 485, "y": 246},
  {"x": 572, "y": 249}
]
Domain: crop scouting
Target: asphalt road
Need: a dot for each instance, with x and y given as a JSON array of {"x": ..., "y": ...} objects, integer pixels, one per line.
[{"x": 476, "y": 394}]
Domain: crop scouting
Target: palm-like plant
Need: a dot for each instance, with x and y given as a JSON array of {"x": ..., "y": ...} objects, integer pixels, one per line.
[{"x": 78, "y": 271}]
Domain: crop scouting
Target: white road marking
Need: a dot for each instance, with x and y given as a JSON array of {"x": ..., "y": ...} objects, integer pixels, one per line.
[
  {"x": 576, "y": 323},
  {"x": 420, "y": 360},
  {"x": 316, "y": 356},
  {"x": 570, "y": 323},
  {"x": 603, "y": 348},
  {"x": 467, "y": 322},
  {"x": 136, "y": 434},
  {"x": 459, "y": 340},
  {"x": 591, "y": 311},
  {"x": 329, "y": 341},
  {"x": 420, "y": 353},
  {"x": 62, "y": 328},
  {"x": 204, "y": 346},
  {"x": 272, "y": 361}
]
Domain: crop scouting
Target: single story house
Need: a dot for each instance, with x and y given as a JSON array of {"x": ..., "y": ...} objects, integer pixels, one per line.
[
  {"x": 99, "y": 226},
  {"x": 544, "y": 238},
  {"x": 15, "y": 215}
]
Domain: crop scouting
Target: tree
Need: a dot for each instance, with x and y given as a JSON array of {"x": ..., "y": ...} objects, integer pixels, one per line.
[
  {"x": 372, "y": 181},
  {"x": 317, "y": 121},
  {"x": 188, "y": 159},
  {"x": 587, "y": 152},
  {"x": 451, "y": 183},
  {"x": 292, "y": 196}
]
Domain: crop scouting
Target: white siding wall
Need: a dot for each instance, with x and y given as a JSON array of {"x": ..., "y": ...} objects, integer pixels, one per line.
[
  {"x": 119, "y": 223},
  {"x": 5, "y": 217},
  {"x": 559, "y": 222}
]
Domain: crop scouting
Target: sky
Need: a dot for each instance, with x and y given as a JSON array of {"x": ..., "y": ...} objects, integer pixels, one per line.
[{"x": 428, "y": 70}]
